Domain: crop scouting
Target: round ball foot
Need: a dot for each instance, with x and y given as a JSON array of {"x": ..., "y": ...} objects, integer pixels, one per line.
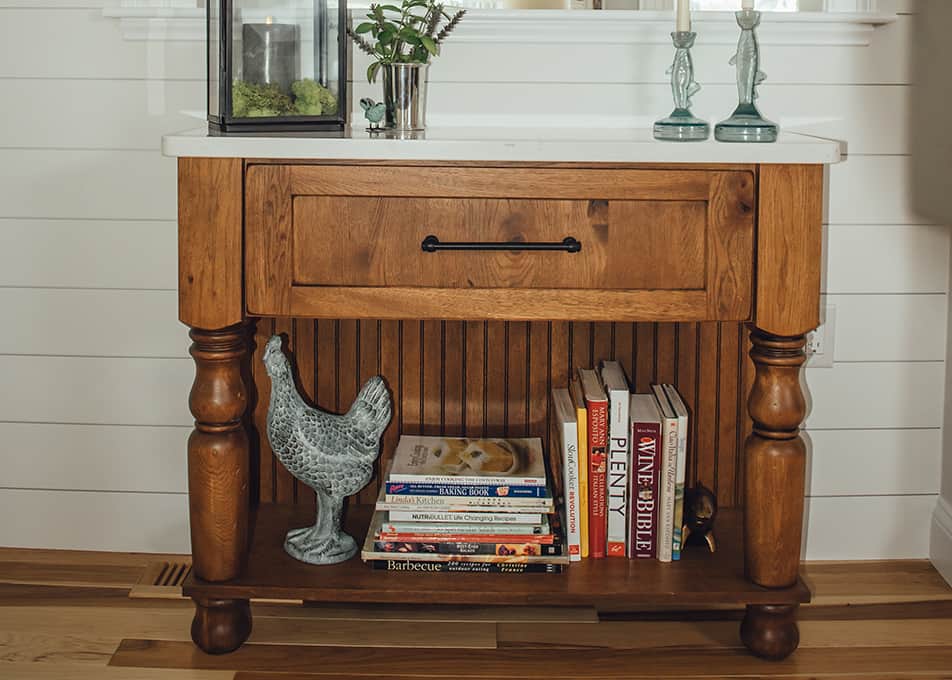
[
  {"x": 221, "y": 626},
  {"x": 770, "y": 631}
]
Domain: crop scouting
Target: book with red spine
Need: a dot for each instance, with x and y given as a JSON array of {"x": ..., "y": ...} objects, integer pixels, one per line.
[
  {"x": 645, "y": 466},
  {"x": 596, "y": 402}
]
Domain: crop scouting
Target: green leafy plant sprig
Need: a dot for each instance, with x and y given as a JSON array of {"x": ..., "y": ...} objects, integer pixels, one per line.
[{"x": 409, "y": 34}]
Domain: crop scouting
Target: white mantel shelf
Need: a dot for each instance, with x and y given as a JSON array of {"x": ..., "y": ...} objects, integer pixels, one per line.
[
  {"x": 626, "y": 27},
  {"x": 505, "y": 144}
]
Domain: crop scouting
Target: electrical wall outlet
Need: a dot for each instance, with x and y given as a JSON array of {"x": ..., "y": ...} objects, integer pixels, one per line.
[{"x": 819, "y": 349}]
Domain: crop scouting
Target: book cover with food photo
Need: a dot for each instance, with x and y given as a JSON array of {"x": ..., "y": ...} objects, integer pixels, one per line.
[{"x": 429, "y": 461}]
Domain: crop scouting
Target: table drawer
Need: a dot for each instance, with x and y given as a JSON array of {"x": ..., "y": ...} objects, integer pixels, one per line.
[
  {"x": 353, "y": 241},
  {"x": 369, "y": 241}
]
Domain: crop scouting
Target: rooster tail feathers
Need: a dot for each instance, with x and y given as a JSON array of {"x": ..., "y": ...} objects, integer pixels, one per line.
[{"x": 373, "y": 404}]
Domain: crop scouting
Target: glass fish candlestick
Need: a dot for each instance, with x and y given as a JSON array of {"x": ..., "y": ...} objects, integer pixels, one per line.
[
  {"x": 746, "y": 124},
  {"x": 682, "y": 125}
]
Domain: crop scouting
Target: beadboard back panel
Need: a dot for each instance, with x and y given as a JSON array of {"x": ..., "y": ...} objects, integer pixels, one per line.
[{"x": 493, "y": 379}]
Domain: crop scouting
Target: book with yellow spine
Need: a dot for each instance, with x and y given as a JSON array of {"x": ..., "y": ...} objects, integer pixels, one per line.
[{"x": 575, "y": 390}]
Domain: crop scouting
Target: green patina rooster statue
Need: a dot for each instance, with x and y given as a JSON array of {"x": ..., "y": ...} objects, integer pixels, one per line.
[{"x": 332, "y": 454}]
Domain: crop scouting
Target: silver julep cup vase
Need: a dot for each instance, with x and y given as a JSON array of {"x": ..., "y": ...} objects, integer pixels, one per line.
[{"x": 404, "y": 92}]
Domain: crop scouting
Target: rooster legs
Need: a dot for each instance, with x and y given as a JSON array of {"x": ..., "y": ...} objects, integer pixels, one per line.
[{"x": 323, "y": 543}]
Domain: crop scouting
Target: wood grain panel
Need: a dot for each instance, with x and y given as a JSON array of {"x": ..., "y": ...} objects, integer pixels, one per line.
[
  {"x": 268, "y": 226},
  {"x": 537, "y": 304},
  {"x": 305, "y": 332},
  {"x": 412, "y": 359},
  {"x": 693, "y": 232},
  {"x": 609, "y": 585},
  {"x": 533, "y": 662},
  {"x": 433, "y": 397},
  {"x": 283, "y": 481},
  {"x": 789, "y": 245},
  {"x": 518, "y": 366},
  {"x": 494, "y": 378},
  {"x": 463, "y": 182},
  {"x": 262, "y": 458},
  {"x": 496, "y": 374},
  {"x": 209, "y": 239},
  {"x": 382, "y": 247},
  {"x": 369, "y": 364},
  {"x": 730, "y": 249},
  {"x": 472, "y": 358},
  {"x": 451, "y": 375},
  {"x": 389, "y": 364},
  {"x": 539, "y": 375}
]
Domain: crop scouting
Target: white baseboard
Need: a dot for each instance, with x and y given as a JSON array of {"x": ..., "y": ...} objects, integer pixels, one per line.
[{"x": 940, "y": 544}]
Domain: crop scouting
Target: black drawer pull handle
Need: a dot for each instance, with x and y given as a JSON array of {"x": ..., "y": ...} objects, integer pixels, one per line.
[{"x": 569, "y": 244}]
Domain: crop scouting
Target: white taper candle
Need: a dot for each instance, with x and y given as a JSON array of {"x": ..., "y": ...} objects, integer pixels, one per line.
[
  {"x": 684, "y": 16},
  {"x": 746, "y": 4}
]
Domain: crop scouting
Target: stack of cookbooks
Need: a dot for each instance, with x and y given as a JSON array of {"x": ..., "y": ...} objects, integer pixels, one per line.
[{"x": 466, "y": 505}]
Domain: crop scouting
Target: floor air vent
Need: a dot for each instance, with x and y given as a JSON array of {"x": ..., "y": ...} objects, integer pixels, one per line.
[{"x": 162, "y": 580}]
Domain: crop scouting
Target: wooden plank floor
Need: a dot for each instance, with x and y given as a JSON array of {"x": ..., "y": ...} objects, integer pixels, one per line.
[{"x": 67, "y": 615}]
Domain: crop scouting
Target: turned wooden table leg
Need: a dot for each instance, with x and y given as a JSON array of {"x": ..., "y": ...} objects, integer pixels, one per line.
[
  {"x": 774, "y": 479},
  {"x": 218, "y": 482}
]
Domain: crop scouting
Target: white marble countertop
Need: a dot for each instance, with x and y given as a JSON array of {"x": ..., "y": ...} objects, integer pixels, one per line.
[{"x": 579, "y": 145}]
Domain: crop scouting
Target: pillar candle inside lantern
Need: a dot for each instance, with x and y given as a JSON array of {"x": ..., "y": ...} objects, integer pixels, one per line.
[{"x": 271, "y": 54}]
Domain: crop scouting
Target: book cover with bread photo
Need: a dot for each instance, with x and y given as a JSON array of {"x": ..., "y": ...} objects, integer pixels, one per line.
[{"x": 457, "y": 460}]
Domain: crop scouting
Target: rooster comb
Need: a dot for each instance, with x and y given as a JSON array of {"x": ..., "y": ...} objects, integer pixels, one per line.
[{"x": 273, "y": 349}]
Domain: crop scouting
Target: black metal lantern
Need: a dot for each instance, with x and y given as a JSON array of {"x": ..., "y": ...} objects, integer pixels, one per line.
[{"x": 277, "y": 66}]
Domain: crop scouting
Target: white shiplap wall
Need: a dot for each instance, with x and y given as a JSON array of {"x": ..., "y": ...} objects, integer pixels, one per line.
[
  {"x": 93, "y": 362},
  {"x": 93, "y": 419}
]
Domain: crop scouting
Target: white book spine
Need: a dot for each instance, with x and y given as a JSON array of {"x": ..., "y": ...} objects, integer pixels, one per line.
[
  {"x": 570, "y": 475},
  {"x": 682, "y": 412},
  {"x": 428, "y": 529},
  {"x": 467, "y": 517},
  {"x": 679, "y": 487},
  {"x": 669, "y": 464},
  {"x": 618, "y": 461}
]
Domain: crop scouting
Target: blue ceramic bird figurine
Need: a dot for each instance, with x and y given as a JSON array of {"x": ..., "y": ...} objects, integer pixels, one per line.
[{"x": 373, "y": 112}]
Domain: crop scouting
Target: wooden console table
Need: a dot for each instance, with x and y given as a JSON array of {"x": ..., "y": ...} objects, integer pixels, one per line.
[{"x": 299, "y": 229}]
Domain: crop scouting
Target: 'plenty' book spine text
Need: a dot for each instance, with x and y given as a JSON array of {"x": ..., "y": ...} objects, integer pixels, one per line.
[{"x": 617, "y": 466}]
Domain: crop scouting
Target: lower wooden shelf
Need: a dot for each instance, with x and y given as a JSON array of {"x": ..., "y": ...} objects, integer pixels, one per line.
[{"x": 608, "y": 584}]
